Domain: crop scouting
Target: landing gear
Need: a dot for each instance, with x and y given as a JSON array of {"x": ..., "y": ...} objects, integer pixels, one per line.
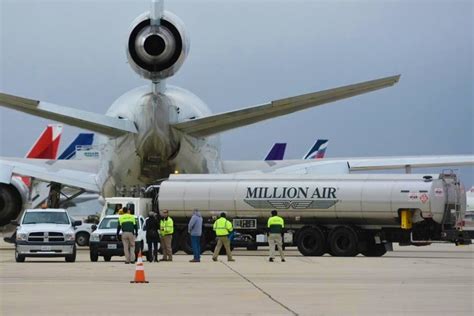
[{"x": 311, "y": 241}]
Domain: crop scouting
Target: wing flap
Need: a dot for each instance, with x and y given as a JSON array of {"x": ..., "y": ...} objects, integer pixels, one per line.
[
  {"x": 73, "y": 173},
  {"x": 99, "y": 123},
  {"x": 225, "y": 121}
]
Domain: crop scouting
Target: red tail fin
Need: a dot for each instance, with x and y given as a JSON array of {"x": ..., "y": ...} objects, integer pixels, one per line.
[{"x": 47, "y": 145}]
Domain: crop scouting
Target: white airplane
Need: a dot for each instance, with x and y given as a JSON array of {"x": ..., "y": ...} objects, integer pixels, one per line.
[{"x": 152, "y": 131}]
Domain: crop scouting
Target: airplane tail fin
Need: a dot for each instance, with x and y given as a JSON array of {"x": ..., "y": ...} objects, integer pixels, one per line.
[
  {"x": 276, "y": 152},
  {"x": 318, "y": 150},
  {"x": 83, "y": 139},
  {"x": 47, "y": 144}
]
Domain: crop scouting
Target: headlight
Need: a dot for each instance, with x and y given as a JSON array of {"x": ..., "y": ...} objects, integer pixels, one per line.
[
  {"x": 70, "y": 237},
  {"x": 94, "y": 237},
  {"x": 21, "y": 236}
]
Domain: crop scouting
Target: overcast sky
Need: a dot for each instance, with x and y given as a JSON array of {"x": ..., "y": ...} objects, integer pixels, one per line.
[{"x": 248, "y": 52}]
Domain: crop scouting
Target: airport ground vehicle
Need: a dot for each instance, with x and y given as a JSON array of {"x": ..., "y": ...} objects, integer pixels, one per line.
[
  {"x": 104, "y": 242},
  {"x": 343, "y": 215},
  {"x": 83, "y": 234},
  {"x": 45, "y": 233}
]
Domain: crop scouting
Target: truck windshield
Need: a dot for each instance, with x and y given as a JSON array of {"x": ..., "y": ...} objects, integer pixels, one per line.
[
  {"x": 46, "y": 218},
  {"x": 113, "y": 208},
  {"x": 112, "y": 223}
]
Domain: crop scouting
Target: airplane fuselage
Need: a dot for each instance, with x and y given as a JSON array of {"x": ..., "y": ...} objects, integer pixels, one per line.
[{"x": 156, "y": 150}]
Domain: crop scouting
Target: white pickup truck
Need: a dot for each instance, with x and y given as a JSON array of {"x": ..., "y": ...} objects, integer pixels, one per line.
[
  {"x": 104, "y": 241},
  {"x": 45, "y": 233}
]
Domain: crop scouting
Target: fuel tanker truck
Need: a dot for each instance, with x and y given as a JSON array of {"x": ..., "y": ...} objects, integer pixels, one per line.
[{"x": 342, "y": 215}]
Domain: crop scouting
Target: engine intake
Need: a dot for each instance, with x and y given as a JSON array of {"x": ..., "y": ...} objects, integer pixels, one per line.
[{"x": 157, "y": 52}]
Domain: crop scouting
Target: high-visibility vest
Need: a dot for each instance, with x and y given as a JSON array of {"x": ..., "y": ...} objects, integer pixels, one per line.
[
  {"x": 222, "y": 227},
  {"x": 127, "y": 222},
  {"x": 276, "y": 224},
  {"x": 166, "y": 226},
  {"x": 127, "y": 218}
]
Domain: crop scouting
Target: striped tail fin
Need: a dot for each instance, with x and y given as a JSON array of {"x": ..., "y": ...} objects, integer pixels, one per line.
[{"x": 318, "y": 150}]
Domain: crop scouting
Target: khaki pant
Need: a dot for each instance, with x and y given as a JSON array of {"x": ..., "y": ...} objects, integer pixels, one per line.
[
  {"x": 166, "y": 247},
  {"x": 128, "y": 240},
  {"x": 272, "y": 240},
  {"x": 222, "y": 240}
]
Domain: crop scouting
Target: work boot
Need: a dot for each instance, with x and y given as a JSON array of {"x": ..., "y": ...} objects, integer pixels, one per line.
[
  {"x": 270, "y": 259},
  {"x": 230, "y": 259},
  {"x": 283, "y": 260},
  {"x": 214, "y": 259}
]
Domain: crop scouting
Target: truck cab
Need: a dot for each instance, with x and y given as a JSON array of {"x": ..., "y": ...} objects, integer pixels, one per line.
[
  {"x": 137, "y": 205},
  {"x": 45, "y": 233},
  {"x": 104, "y": 242}
]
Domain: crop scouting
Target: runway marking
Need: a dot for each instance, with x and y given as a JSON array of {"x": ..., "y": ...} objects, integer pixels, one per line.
[{"x": 260, "y": 289}]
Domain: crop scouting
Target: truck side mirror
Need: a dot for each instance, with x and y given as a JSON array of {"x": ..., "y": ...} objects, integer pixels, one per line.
[
  {"x": 15, "y": 223},
  {"x": 94, "y": 227},
  {"x": 76, "y": 223}
]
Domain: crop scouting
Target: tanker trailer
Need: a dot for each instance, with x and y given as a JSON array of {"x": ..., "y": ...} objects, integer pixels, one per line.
[{"x": 342, "y": 215}]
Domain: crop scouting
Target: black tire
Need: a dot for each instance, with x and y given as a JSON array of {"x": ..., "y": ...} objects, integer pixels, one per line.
[
  {"x": 82, "y": 239},
  {"x": 343, "y": 242},
  {"x": 94, "y": 255},
  {"x": 18, "y": 257},
  {"x": 107, "y": 258},
  {"x": 185, "y": 242},
  {"x": 252, "y": 247},
  {"x": 71, "y": 258},
  {"x": 311, "y": 241},
  {"x": 372, "y": 249}
]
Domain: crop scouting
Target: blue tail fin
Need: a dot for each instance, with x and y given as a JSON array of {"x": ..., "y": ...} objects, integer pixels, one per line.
[
  {"x": 277, "y": 152},
  {"x": 318, "y": 150},
  {"x": 83, "y": 139}
]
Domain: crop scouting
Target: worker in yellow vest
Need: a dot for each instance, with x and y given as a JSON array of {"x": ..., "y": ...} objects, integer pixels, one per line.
[
  {"x": 128, "y": 224},
  {"x": 275, "y": 225},
  {"x": 223, "y": 228},
  {"x": 166, "y": 235}
]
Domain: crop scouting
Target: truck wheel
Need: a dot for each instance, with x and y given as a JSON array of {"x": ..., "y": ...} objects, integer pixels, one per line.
[
  {"x": 185, "y": 242},
  {"x": 71, "y": 258},
  {"x": 94, "y": 255},
  {"x": 343, "y": 242},
  {"x": 374, "y": 250},
  {"x": 252, "y": 246},
  {"x": 18, "y": 257},
  {"x": 107, "y": 258},
  {"x": 175, "y": 243},
  {"x": 311, "y": 241},
  {"x": 82, "y": 239}
]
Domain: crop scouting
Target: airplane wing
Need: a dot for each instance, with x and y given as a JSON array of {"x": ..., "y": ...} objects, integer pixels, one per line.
[
  {"x": 225, "y": 121},
  {"x": 346, "y": 165},
  {"x": 103, "y": 124},
  {"x": 74, "y": 173},
  {"x": 385, "y": 163}
]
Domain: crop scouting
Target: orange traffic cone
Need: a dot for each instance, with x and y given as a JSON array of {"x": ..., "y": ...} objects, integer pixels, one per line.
[{"x": 139, "y": 270}]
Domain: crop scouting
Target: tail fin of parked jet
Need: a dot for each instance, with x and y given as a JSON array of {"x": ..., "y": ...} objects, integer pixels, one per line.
[
  {"x": 276, "y": 152},
  {"x": 83, "y": 139},
  {"x": 318, "y": 150},
  {"x": 47, "y": 144}
]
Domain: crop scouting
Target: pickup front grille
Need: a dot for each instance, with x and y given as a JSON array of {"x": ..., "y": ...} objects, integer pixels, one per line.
[
  {"x": 109, "y": 238},
  {"x": 46, "y": 237}
]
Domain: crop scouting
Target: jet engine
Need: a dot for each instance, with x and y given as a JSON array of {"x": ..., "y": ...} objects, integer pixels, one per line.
[
  {"x": 157, "y": 51},
  {"x": 12, "y": 196}
]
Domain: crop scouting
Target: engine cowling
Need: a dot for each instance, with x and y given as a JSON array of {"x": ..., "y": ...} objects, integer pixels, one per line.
[
  {"x": 12, "y": 197},
  {"x": 157, "y": 52}
]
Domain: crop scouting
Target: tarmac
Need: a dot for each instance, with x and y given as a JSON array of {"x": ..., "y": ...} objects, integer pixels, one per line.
[{"x": 434, "y": 280}]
